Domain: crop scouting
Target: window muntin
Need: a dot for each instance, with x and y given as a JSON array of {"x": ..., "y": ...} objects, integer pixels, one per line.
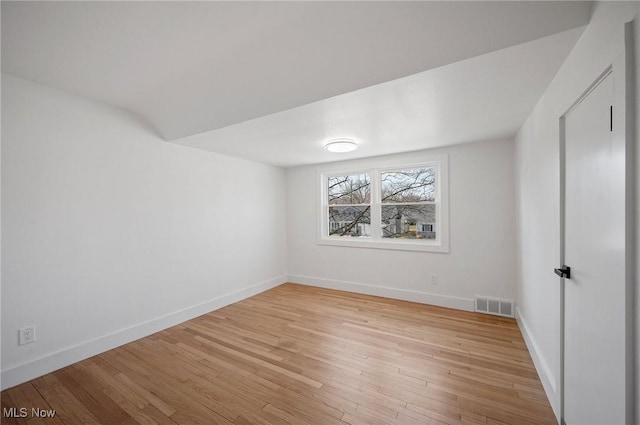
[{"x": 403, "y": 207}]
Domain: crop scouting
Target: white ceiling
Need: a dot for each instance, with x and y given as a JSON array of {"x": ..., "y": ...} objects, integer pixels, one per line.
[
  {"x": 270, "y": 81},
  {"x": 481, "y": 98}
]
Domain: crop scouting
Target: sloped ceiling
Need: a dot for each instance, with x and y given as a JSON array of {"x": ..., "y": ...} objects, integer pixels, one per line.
[{"x": 271, "y": 80}]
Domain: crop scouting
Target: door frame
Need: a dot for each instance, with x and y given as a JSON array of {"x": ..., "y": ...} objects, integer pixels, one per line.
[{"x": 624, "y": 119}]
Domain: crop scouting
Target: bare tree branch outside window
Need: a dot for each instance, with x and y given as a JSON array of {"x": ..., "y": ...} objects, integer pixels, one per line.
[
  {"x": 408, "y": 210},
  {"x": 409, "y": 185},
  {"x": 349, "y": 205},
  {"x": 350, "y": 190}
]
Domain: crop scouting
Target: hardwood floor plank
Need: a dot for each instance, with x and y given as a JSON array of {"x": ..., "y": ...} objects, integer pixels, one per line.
[
  {"x": 92, "y": 394},
  {"x": 299, "y": 355},
  {"x": 68, "y": 408},
  {"x": 8, "y": 405},
  {"x": 29, "y": 398}
]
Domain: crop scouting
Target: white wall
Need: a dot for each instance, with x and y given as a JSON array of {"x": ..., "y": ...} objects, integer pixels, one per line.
[
  {"x": 482, "y": 257},
  {"x": 110, "y": 233},
  {"x": 537, "y": 172}
]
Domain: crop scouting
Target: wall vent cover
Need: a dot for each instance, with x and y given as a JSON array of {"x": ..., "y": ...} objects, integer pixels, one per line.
[{"x": 496, "y": 306}]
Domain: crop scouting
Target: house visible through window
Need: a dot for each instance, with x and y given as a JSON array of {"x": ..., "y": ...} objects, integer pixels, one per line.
[
  {"x": 397, "y": 208},
  {"x": 408, "y": 202}
]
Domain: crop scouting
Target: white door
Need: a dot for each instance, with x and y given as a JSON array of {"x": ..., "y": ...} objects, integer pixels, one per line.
[{"x": 594, "y": 249}]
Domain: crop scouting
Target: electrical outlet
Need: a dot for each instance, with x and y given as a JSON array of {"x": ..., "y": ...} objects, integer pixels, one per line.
[
  {"x": 26, "y": 335},
  {"x": 434, "y": 279}
]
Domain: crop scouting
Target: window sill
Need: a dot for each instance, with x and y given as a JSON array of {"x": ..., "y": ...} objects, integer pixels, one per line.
[{"x": 394, "y": 244}]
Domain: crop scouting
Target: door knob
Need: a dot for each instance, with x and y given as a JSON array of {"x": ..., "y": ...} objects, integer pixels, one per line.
[{"x": 564, "y": 271}]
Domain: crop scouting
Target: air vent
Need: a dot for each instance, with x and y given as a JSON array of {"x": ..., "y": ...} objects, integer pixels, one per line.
[{"x": 495, "y": 306}]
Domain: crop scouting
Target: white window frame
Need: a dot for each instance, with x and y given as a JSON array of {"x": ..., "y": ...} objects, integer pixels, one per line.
[{"x": 376, "y": 241}]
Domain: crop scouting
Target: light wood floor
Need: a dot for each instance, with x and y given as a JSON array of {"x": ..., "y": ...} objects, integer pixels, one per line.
[{"x": 301, "y": 355}]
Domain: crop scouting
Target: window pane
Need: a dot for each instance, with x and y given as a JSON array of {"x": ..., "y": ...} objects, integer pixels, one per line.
[
  {"x": 350, "y": 221},
  {"x": 409, "y": 221},
  {"x": 354, "y": 189},
  {"x": 411, "y": 185}
]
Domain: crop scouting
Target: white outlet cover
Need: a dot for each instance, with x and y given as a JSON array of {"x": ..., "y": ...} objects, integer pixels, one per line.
[{"x": 26, "y": 335}]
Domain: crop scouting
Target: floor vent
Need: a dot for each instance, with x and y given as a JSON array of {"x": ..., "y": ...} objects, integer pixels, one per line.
[{"x": 494, "y": 306}]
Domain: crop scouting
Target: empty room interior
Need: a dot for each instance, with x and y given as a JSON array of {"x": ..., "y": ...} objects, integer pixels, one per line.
[{"x": 320, "y": 212}]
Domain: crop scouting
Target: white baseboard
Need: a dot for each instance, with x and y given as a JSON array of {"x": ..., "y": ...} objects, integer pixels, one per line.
[
  {"x": 383, "y": 291},
  {"x": 16, "y": 375},
  {"x": 542, "y": 367}
]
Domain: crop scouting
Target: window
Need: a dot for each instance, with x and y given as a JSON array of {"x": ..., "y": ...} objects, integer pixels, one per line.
[
  {"x": 426, "y": 228},
  {"x": 403, "y": 207},
  {"x": 408, "y": 202},
  {"x": 349, "y": 205}
]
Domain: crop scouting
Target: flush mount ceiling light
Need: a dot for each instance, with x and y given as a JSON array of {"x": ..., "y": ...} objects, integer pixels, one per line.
[{"x": 341, "y": 145}]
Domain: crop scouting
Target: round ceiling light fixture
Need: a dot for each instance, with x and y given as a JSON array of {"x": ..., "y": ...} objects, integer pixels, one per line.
[{"x": 341, "y": 145}]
